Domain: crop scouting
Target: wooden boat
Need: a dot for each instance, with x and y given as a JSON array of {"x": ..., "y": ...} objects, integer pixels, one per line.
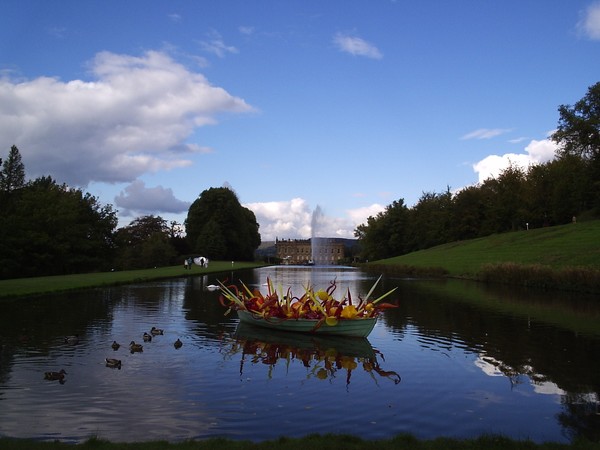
[{"x": 354, "y": 327}]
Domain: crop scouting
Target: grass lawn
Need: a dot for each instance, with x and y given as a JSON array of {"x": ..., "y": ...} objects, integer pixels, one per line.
[
  {"x": 44, "y": 285},
  {"x": 572, "y": 245}
]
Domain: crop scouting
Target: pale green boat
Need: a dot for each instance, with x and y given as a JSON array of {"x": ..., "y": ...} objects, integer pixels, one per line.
[{"x": 360, "y": 327}]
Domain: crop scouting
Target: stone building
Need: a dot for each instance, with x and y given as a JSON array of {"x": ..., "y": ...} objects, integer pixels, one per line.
[{"x": 321, "y": 251}]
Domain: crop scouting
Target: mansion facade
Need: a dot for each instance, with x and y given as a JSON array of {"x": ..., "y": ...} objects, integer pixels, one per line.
[{"x": 327, "y": 251}]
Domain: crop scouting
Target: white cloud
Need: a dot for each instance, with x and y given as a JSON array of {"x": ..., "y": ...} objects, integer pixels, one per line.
[
  {"x": 292, "y": 220},
  {"x": 589, "y": 25},
  {"x": 485, "y": 133},
  {"x": 133, "y": 118},
  {"x": 246, "y": 30},
  {"x": 138, "y": 199},
  {"x": 283, "y": 219},
  {"x": 216, "y": 45},
  {"x": 537, "y": 152},
  {"x": 356, "y": 46},
  {"x": 517, "y": 140},
  {"x": 360, "y": 215}
]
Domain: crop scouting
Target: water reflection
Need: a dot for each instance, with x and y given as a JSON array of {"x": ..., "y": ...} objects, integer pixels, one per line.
[
  {"x": 534, "y": 340},
  {"x": 473, "y": 359},
  {"x": 324, "y": 357}
]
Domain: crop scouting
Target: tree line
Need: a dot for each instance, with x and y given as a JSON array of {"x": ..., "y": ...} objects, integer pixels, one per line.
[
  {"x": 47, "y": 228},
  {"x": 553, "y": 193}
]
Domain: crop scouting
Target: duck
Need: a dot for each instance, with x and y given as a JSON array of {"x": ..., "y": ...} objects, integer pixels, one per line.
[
  {"x": 115, "y": 345},
  {"x": 113, "y": 363},
  {"x": 156, "y": 331},
  {"x": 147, "y": 337},
  {"x": 73, "y": 340},
  {"x": 178, "y": 343},
  {"x": 136, "y": 347},
  {"x": 53, "y": 376}
]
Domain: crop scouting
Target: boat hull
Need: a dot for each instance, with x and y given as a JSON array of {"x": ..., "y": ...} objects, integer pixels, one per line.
[{"x": 354, "y": 327}]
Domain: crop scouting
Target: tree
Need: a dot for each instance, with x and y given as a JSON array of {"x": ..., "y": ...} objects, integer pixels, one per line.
[
  {"x": 219, "y": 227},
  {"x": 51, "y": 229},
  {"x": 12, "y": 175},
  {"x": 578, "y": 131},
  {"x": 386, "y": 234},
  {"x": 145, "y": 242},
  {"x": 578, "y": 134},
  {"x": 468, "y": 213},
  {"x": 510, "y": 199},
  {"x": 430, "y": 220}
]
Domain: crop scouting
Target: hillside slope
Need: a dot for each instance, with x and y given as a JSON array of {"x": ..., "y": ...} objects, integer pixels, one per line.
[{"x": 572, "y": 245}]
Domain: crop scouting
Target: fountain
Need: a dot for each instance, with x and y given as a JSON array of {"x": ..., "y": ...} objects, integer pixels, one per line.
[{"x": 315, "y": 247}]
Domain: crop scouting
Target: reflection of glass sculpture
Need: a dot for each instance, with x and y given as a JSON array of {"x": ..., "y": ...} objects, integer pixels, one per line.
[{"x": 323, "y": 355}]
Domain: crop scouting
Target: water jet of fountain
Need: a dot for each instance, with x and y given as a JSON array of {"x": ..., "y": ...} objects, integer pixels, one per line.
[{"x": 316, "y": 221}]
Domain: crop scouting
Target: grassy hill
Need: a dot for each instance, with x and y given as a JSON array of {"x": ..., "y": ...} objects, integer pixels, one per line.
[{"x": 572, "y": 249}]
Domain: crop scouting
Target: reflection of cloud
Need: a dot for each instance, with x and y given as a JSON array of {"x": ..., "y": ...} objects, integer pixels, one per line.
[
  {"x": 548, "y": 388},
  {"x": 487, "y": 367},
  {"x": 492, "y": 368}
]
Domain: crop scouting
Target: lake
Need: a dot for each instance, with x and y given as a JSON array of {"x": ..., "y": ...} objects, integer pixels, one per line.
[{"x": 456, "y": 359}]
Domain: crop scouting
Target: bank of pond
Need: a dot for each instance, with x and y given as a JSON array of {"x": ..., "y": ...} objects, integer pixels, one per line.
[{"x": 316, "y": 441}]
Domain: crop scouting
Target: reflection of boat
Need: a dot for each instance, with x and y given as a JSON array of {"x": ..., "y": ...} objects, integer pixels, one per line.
[
  {"x": 360, "y": 347},
  {"x": 323, "y": 355},
  {"x": 355, "y": 327}
]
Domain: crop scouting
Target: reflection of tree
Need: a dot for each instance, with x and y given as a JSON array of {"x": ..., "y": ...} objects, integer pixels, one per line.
[
  {"x": 325, "y": 357},
  {"x": 581, "y": 416},
  {"x": 37, "y": 325},
  {"x": 491, "y": 323},
  {"x": 202, "y": 307}
]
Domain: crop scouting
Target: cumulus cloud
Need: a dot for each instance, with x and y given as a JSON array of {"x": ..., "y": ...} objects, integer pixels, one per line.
[
  {"x": 139, "y": 199},
  {"x": 537, "y": 152},
  {"x": 133, "y": 117},
  {"x": 293, "y": 219},
  {"x": 356, "y": 46},
  {"x": 360, "y": 215},
  {"x": 589, "y": 25},
  {"x": 485, "y": 133}
]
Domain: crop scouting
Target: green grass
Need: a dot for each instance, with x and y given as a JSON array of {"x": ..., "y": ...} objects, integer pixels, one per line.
[
  {"x": 324, "y": 442},
  {"x": 19, "y": 287},
  {"x": 560, "y": 247}
]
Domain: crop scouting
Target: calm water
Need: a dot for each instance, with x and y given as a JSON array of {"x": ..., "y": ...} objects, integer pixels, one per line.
[{"x": 455, "y": 359}]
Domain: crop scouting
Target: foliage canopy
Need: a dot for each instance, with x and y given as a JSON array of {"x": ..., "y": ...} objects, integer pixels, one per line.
[
  {"x": 219, "y": 227},
  {"x": 50, "y": 229}
]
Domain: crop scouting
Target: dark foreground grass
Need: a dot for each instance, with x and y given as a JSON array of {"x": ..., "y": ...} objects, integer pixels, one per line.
[
  {"x": 324, "y": 442},
  {"x": 19, "y": 287}
]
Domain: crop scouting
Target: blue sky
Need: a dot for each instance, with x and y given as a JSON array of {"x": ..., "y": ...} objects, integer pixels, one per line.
[{"x": 339, "y": 107}]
